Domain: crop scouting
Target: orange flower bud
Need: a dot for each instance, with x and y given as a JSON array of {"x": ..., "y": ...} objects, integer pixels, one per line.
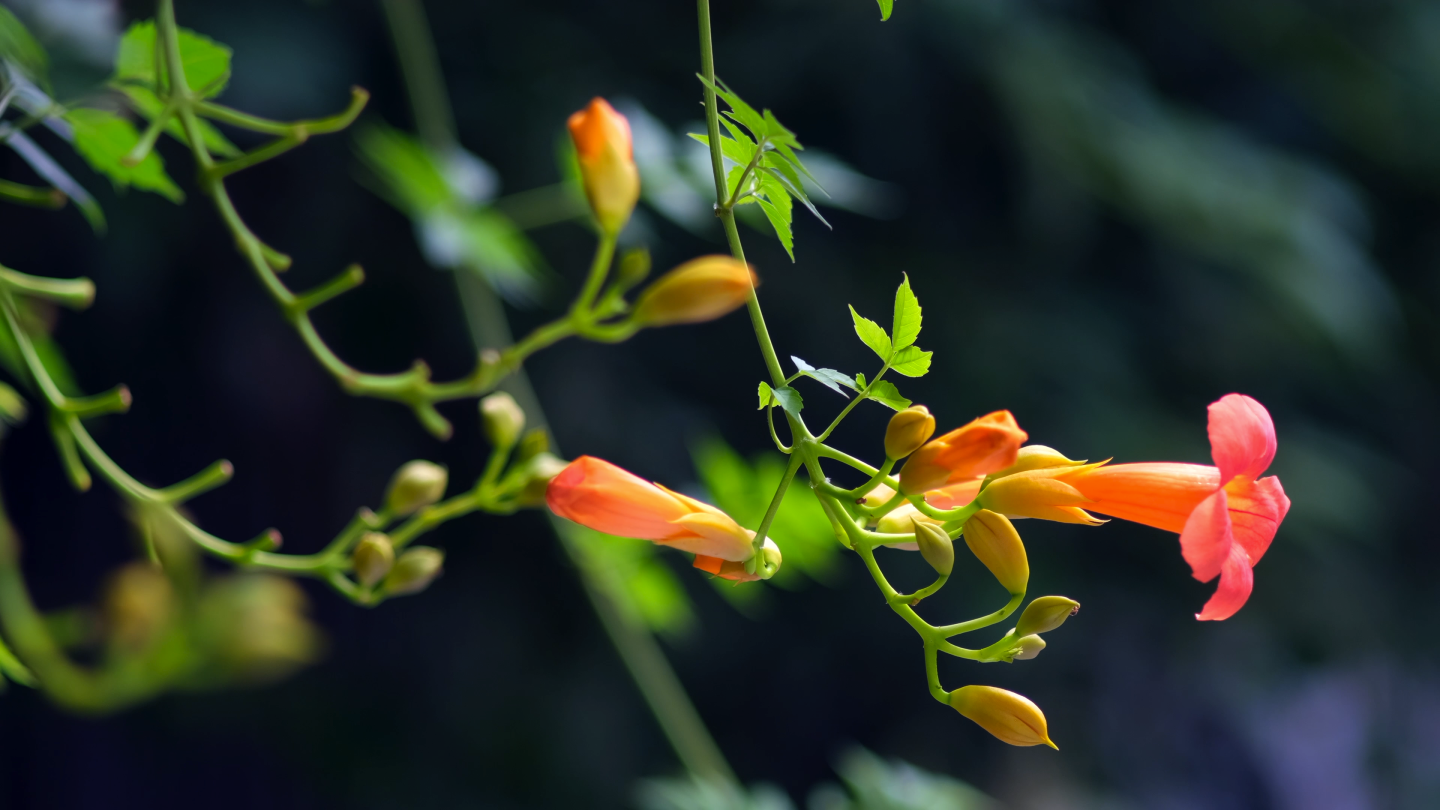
[
  {"x": 1010, "y": 717},
  {"x": 994, "y": 542},
  {"x": 987, "y": 444},
  {"x": 607, "y": 163},
  {"x": 699, "y": 290},
  {"x": 1045, "y": 614},
  {"x": 600, "y": 495},
  {"x": 1046, "y": 494},
  {"x": 735, "y": 571},
  {"x": 908, "y": 430}
]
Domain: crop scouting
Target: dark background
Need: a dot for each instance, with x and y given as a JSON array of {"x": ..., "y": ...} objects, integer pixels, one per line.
[{"x": 1114, "y": 213}]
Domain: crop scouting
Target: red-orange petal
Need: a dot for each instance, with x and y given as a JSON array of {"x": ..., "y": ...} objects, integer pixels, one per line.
[
  {"x": 1207, "y": 537},
  {"x": 1256, "y": 511},
  {"x": 1159, "y": 494},
  {"x": 595, "y": 493},
  {"x": 1242, "y": 437},
  {"x": 1237, "y": 579},
  {"x": 951, "y": 496}
]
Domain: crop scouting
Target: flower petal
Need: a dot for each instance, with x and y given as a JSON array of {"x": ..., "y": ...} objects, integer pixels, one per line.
[
  {"x": 1236, "y": 581},
  {"x": 1159, "y": 494},
  {"x": 1207, "y": 538},
  {"x": 713, "y": 535},
  {"x": 1256, "y": 509},
  {"x": 595, "y": 493},
  {"x": 1242, "y": 437},
  {"x": 953, "y": 495}
]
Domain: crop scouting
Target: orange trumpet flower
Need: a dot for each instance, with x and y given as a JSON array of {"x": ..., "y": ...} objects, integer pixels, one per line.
[
  {"x": 603, "y": 497},
  {"x": 986, "y": 445}
]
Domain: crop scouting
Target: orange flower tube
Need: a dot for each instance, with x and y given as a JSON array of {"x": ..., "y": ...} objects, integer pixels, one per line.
[
  {"x": 607, "y": 163},
  {"x": 603, "y": 497},
  {"x": 986, "y": 445}
]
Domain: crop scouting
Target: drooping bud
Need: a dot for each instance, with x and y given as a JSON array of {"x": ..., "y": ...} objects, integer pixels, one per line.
[
  {"x": 935, "y": 546},
  {"x": 770, "y": 560},
  {"x": 1027, "y": 648},
  {"x": 414, "y": 571},
  {"x": 1035, "y": 457},
  {"x": 985, "y": 445},
  {"x": 699, "y": 290},
  {"x": 1045, "y": 614},
  {"x": 994, "y": 541},
  {"x": 607, "y": 163},
  {"x": 503, "y": 419},
  {"x": 1010, "y": 717},
  {"x": 415, "y": 485},
  {"x": 1042, "y": 494},
  {"x": 908, "y": 430},
  {"x": 538, "y": 471},
  {"x": 373, "y": 558}
]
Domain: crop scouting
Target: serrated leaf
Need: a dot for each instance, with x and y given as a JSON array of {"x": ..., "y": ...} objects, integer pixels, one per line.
[
  {"x": 907, "y": 316},
  {"x": 767, "y": 396},
  {"x": 145, "y": 102},
  {"x": 860, "y": 382},
  {"x": 779, "y": 216},
  {"x": 103, "y": 138},
  {"x": 828, "y": 377},
  {"x": 885, "y": 393},
  {"x": 873, "y": 335},
  {"x": 789, "y": 399},
  {"x": 911, "y": 361},
  {"x": 205, "y": 61},
  {"x": 886, "y": 7},
  {"x": 796, "y": 192}
]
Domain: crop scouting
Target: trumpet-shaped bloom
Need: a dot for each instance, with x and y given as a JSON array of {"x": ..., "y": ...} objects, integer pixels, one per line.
[
  {"x": 986, "y": 445},
  {"x": 603, "y": 497}
]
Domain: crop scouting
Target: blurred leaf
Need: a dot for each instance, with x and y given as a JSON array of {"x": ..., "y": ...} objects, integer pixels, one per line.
[
  {"x": 12, "y": 405},
  {"x": 872, "y": 335},
  {"x": 643, "y": 587},
  {"x": 877, "y": 784},
  {"x": 885, "y": 393},
  {"x": 911, "y": 361},
  {"x": 45, "y": 166},
  {"x": 205, "y": 61},
  {"x": 19, "y": 47},
  {"x": 103, "y": 138},
  {"x": 886, "y": 7},
  {"x": 145, "y": 102},
  {"x": 907, "y": 315},
  {"x": 412, "y": 178},
  {"x": 699, "y": 794}
]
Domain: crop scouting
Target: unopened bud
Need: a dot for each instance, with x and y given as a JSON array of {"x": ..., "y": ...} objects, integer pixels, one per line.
[
  {"x": 139, "y": 603},
  {"x": 607, "y": 163},
  {"x": 880, "y": 494},
  {"x": 994, "y": 542},
  {"x": 415, "y": 485},
  {"x": 1010, "y": 717},
  {"x": 898, "y": 520},
  {"x": 12, "y": 405},
  {"x": 699, "y": 290},
  {"x": 373, "y": 558},
  {"x": 770, "y": 560},
  {"x": 1041, "y": 493},
  {"x": 1027, "y": 647},
  {"x": 414, "y": 571},
  {"x": 503, "y": 419},
  {"x": 1045, "y": 614},
  {"x": 634, "y": 267},
  {"x": 908, "y": 430},
  {"x": 935, "y": 546},
  {"x": 255, "y": 627},
  {"x": 533, "y": 443},
  {"x": 1035, "y": 457},
  {"x": 538, "y": 471}
]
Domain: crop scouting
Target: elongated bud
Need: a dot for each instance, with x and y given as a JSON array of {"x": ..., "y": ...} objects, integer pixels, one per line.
[
  {"x": 995, "y": 543},
  {"x": 414, "y": 571},
  {"x": 880, "y": 494},
  {"x": 416, "y": 485},
  {"x": 502, "y": 418},
  {"x": 908, "y": 430},
  {"x": 987, "y": 444},
  {"x": 607, "y": 163},
  {"x": 1045, "y": 614},
  {"x": 1035, "y": 457},
  {"x": 373, "y": 558},
  {"x": 898, "y": 520},
  {"x": 539, "y": 470},
  {"x": 1042, "y": 494},
  {"x": 935, "y": 546},
  {"x": 699, "y": 290},
  {"x": 1010, "y": 717},
  {"x": 1027, "y": 648}
]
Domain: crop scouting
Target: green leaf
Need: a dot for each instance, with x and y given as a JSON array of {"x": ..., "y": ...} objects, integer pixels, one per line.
[
  {"x": 145, "y": 102},
  {"x": 103, "y": 138},
  {"x": 911, "y": 361},
  {"x": 18, "y": 46},
  {"x": 828, "y": 377},
  {"x": 860, "y": 382},
  {"x": 413, "y": 181},
  {"x": 767, "y": 396},
  {"x": 778, "y": 210},
  {"x": 206, "y": 62},
  {"x": 907, "y": 316},
  {"x": 873, "y": 335},
  {"x": 785, "y": 396},
  {"x": 885, "y": 393},
  {"x": 886, "y": 6}
]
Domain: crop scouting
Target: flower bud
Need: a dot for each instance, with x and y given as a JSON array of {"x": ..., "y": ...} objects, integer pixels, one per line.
[
  {"x": 12, "y": 405},
  {"x": 880, "y": 494},
  {"x": 770, "y": 560},
  {"x": 538, "y": 472},
  {"x": 1045, "y": 614},
  {"x": 1035, "y": 457},
  {"x": 1040, "y": 494},
  {"x": 899, "y": 519},
  {"x": 699, "y": 290},
  {"x": 908, "y": 430},
  {"x": 1010, "y": 717},
  {"x": 373, "y": 558},
  {"x": 415, "y": 485},
  {"x": 1027, "y": 648},
  {"x": 994, "y": 541},
  {"x": 502, "y": 418},
  {"x": 139, "y": 602},
  {"x": 935, "y": 546},
  {"x": 987, "y": 444},
  {"x": 255, "y": 628},
  {"x": 634, "y": 268},
  {"x": 533, "y": 443},
  {"x": 414, "y": 571},
  {"x": 607, "y": 163}
]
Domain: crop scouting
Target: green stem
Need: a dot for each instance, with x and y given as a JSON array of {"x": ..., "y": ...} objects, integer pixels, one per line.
[
  {"x": 420, "y": 65},
  {"x": 793, "y": 467}
]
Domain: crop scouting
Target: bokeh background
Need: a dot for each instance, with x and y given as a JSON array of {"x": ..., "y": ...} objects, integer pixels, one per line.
[{"x": 1113, "y": 212}]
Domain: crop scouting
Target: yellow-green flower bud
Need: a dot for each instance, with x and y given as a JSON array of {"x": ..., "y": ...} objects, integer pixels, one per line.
[
  {"x": 935, "y": 546},
  {"x": 503, "y": 419},
  {"x": 1027, "y": 647},
  {"x": 538, "y": 472},
  {"x": 908, "y": 430},
  {"x": 255, "y": 629},
  {"x": 898, "y": 520},
  {"x": 414, "y": 571},
  {"x": 416, "y": 485},
  {"x": 994, "y": 541},
  {"x": 880, "y": 494},
  {"x": 139, "y": 602},
  {"x": 1010, "y": 717},
  {"x": 1035, "y": 457},
  {"x": 533, "y": 443},
  {"x": 373, "y": 558},
  {"x": 12, "y": 405},
  {"x": 1045, "y": 614}
]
